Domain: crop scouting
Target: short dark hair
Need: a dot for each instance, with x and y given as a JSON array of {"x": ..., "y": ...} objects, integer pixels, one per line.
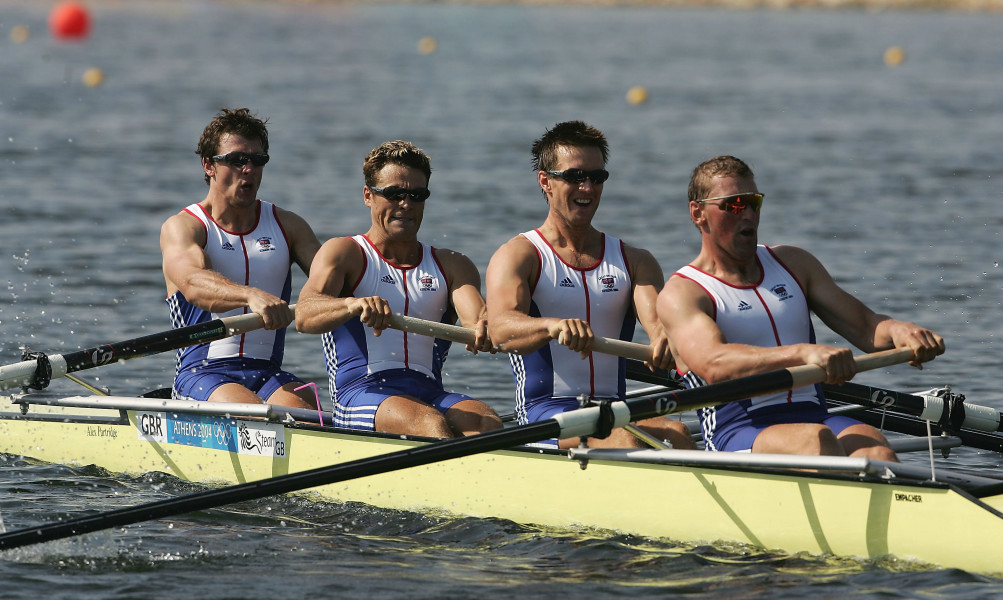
[
  {"x": 397, "y": 152},
  {"x": 237, "y": 121},
  {"x": 577, "y": 134},
  {"x": 719, "y": 166}
]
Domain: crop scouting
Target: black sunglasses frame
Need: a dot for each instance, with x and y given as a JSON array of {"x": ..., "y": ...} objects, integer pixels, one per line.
[
  {"x": 239, "y": 159},
  {"x": 396, "y": 193},
  {"x": 578, "y": 176}
]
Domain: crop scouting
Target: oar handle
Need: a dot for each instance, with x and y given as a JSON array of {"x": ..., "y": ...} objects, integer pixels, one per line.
[
  {"x": 462, "y": 335},
  {"x": 812, "y": 374},
  {"x": 23, "y": 374}
]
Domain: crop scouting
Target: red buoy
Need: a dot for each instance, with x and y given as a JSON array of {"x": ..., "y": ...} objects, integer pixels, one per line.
[{"x": 69, "y": 21}]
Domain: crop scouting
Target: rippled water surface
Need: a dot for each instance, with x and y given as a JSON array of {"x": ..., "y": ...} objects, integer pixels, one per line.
[{"x": 889, "y": 174}]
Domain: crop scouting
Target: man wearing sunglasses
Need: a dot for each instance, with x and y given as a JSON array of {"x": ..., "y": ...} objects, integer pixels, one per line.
[
  {"x": 741, "y": 308},
  {"x": 383, "y": 379},
  {"x": 231, "y": 254},
  {"x": 552, "y": 290}
]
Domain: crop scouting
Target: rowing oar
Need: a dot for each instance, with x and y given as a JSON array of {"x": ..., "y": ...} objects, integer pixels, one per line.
[
  {"x": 582, "y": 422},
  {"x": 41, "y": 369},
  {"x": 462, "y": 335},
  {"x": 950, "y": 413}
]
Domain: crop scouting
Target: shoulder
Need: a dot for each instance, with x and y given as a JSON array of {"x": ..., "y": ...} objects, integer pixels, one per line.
[
  {"x": 636, "y": 255},
  {"x": 292, "y": 222},
  {"x": 341, "y": 251},
  {"x": 518, "y": 248},
  {"x": 800, "y": 262},
  {"x": 681, "y": 293},
  {"x": 182, "y": 223},
  {"x": 451, "y": 260}
]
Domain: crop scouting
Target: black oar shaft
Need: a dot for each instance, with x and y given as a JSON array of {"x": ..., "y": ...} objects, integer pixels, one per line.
[{"x": 23, "y": 373}]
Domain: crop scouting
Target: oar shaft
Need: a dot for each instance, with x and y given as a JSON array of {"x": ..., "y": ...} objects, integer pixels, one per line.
[
  {"x": 21, "y": 374},
  {"x": 462, "y": 335}
]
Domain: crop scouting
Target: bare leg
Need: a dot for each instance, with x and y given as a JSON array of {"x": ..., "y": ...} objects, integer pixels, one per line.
[
  {"x": 407, "y": 415},
  {"x": 285, "y": 396},
  {"x": 865, "y": 441},
  {"x": 798, "y": 438},
  {"x": 234, "y": 392},
  {"x": 668, "y": 429},
  {"x": 469, "y": 417}
]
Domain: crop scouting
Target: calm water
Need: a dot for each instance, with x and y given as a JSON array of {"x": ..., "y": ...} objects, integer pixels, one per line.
[{"x": 890, "y": 175}]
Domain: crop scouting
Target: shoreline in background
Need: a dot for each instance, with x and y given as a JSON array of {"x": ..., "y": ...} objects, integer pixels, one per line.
[
  {"x": 970, "y": 6},
  {"x": 865, "y": 5}
]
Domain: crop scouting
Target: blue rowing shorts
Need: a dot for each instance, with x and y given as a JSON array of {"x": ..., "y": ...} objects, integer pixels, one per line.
[
  {"x": 739, "y": 435},
  {"x": 355, "y": 405},
  {"x": 260, "y": 376}
]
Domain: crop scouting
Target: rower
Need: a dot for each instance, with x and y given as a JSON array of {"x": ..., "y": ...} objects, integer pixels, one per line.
[
  {"x": 231, "y": 254},
  {"x": 552, "y": 290},
  {"x": 384, "y": 379},
  {"x": 740, "y": 308}
]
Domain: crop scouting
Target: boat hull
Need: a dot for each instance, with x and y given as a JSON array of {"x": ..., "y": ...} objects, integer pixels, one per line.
[{"x": 793, "y": 511}]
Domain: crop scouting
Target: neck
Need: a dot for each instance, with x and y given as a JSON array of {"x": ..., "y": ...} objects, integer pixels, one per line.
[
  {"x": 731, "y": 269},
  {"x": 229, "y": 215},
  {"x": 403, "y": 253}
]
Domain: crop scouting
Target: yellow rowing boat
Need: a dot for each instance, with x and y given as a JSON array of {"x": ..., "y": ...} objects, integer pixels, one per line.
[{"x": 820, "y": 505}]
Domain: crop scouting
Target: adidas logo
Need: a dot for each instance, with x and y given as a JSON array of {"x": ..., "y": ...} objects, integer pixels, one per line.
[
  {"x": 227, "y": 246},
  {"x": 743, "y": 305},
  {"x": 567, "y": 282},
  {"x": 387, "y": 279}
]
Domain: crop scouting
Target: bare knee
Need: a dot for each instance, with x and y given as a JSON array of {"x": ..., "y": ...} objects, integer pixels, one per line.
[
  {"x": 798, "y": 438},
  {"x": 470, "y": 417}
]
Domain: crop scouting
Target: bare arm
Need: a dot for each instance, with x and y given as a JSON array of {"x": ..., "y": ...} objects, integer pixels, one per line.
[
  {"x": 647, "y": 279},
  {"x": 186, "y": 268},
  {"x": 510, "y": 276},
  {"x": 465, "y": 296},
  {"x": 325, "y": 302},
  {"x": 686, "y": 312},
  {"x": 303, "y": 243},
  {"x": 851, "y": 318}
]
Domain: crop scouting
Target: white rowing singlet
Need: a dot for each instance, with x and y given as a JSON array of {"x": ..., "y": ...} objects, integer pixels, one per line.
[
  {"x": 259, "y": 258},
  {"x": 352, "y": 352},
  {"x": 602, "y": 296},
  {"x": 772, "y": 313}
]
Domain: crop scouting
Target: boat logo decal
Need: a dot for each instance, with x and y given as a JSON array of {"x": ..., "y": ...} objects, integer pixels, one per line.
[
  {"x": 253, "y": 438},
  {"x": 900, "y": 497}
]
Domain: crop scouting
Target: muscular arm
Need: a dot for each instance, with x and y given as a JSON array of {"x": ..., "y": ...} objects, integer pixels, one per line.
[
  {"x": 686, "y": 312},
  {"x": 851, "y": 318},
  {"x": 510, "y": 276},
  {"x": 324, "y": 302},
  {"x": 186, "y": 268},
  {"x": 647, "y": 279},
  {"x": 303, "y": 243},
  {"x": 465, "y": 296}
]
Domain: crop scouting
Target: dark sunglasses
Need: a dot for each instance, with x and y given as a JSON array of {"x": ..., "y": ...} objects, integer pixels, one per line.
[
  {"x": 598, "y": 177},
  {"x": 736, "y": 203},
  {"x": 239, "y": 159},
  {"x": 396, "y": 193}
]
